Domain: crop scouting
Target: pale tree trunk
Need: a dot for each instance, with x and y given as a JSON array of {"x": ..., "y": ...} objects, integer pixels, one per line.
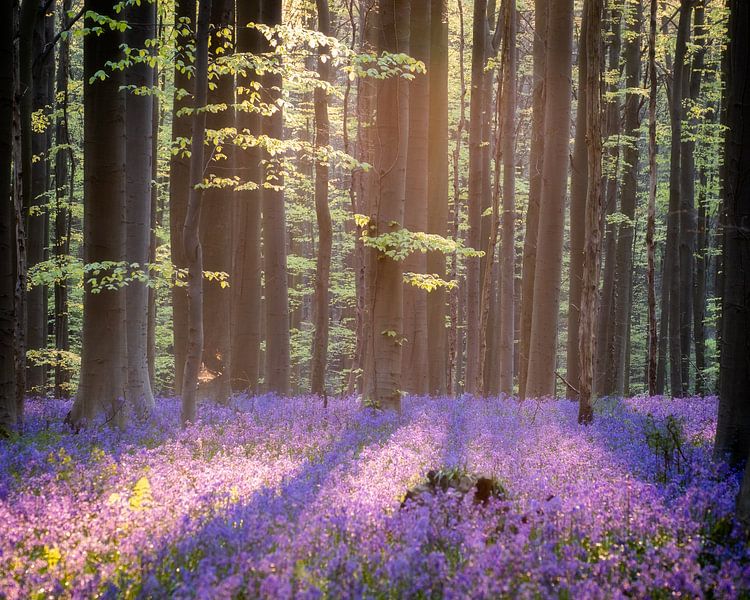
[
  {"x": 578, "y": 195},
  {"x": 138, "y": 174},
  {"x": 179, "y": 185},
  {"x": 508, "y": 249},
  {"x": 216, "y": 223},
  {"x": 7, "y": 271},
  {"x": 190, "y": 234},
  {"x": 414, "y": 367},
  {"x": 652, "y": 349},
  {"x": 383, "y": 367},
  {"x": 476, "y": 175},
  {"x": 246, "y": 279},
  {"x": 592, "y": 244},
  {"x": 437, "y": 193},
  {"x": 629, "y": 192},
  {"x": 274, "y": 240},
  {"x": 104, "y": 357},
  {"x": 323, "y": 215},
  {"x": 543, "y": 340},
  {"x": 536, "y": 163}
]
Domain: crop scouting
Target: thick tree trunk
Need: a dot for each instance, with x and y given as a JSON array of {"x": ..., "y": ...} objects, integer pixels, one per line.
[
  {"x": 592, "y": 244},
  {"x": 437, "y": 193},
  {"x": 543, "y": 340},
  {"x": 179, "y": 184},
  {"x": 578, "y": 194},
  {"x": 323, "y": 215},
  {"x": 246, "y": 278},
  {"x": 473, "y": 383},
  {"x": 414, "y": 366},
  {"x": 383, "y": 367},
  {"x": 733, "y": 427},
  {"x": 274, "y": 241},
  {"x": 628, "y": 199},
  {"x": 190, "y": 234},
  {"x": 7, "y": 271},
  {"x": 138, "y": 174},
  {"x": 508, "y": 249},
  {"x": 536, "y": 164},
  {"x": 103, "y": 361}
]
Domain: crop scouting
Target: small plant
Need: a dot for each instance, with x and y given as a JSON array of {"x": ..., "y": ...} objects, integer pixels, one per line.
[
  {"x": 667, "y": 440},
  {"x": 459, "y": 481}
]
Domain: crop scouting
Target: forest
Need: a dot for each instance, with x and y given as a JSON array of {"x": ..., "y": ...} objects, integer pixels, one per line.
[{"x": 374, "y": 299}]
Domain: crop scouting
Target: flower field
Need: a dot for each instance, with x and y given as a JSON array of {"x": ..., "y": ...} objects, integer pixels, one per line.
[{"x": 278, "y": 498}]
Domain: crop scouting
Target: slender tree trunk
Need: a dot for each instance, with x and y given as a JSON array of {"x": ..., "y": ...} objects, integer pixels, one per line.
[
  {"x": 138, "y": 174},
  {"x": 543, "y": 341},
  {"x": 104, "y": 359},
  {"x": 323, "y": 215},
  {"x": 7, "y": 271},
  {"x": 246, "y": 309},
  {"x": 274, "y": 241},
  {"x": 536, "y": 164},
  {"x": 382, "y": 372},
  {"x": 628, "y": 199},
  {"x": 414, "y": 366},
  {"x": 578, "y": 195},
  {"x": 190, "y": 235},
  {"x": 179, "y": 182},
  {"x": 652, "y": 348},
  {"x": 699, "y": 293},
  {"x": 508, "y": 250},
  {"x": 592, "y": 245},
  {"x": 473, "y": 382}
]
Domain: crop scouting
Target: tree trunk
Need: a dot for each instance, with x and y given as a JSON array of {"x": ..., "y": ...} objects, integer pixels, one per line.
[
  {"x": 543, "y": 340},
  {"x": 216, "y": 224},
  {"x": 190, "y": 235},
  {"x": 414, "y": 366},
  {"x": 592, "y": 245},
  {"x": 652, "y": 349},
  {"x": 473, "y": 383},
  {"x": 246, "y": 310},
  {"x": 508, "y": 249},
  {"x": 274, "y": 240},
  {"x": 103, "y": 360},
  {"x": 383, "y": 367},
  {"x": 536, "y": 164},
  {"x": 7, "y": 271},
  {"x": 138, "y": 174},
  {"x": 699, "y": 291},
  {"x": 179, "y": 183},
  {"x": 323, "y": 215},
  {"x": 628, "y": 199}
]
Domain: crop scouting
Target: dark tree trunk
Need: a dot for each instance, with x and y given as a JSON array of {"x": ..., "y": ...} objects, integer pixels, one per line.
[
  {"x": 414, "y": 366},
  {"x": 103, "y": 361},
  {"x": 437, "y": 193},
  {"x": 536, "y": 163},
  {"x": 547, "y": 276},
  {"x": 179, "y": 183},
  {"x": 700, "y": 291},
  {"x": 138, "y": 174},
  {"x": 385, "y": 280},
  {"x": 274, "y": 241},
  {"x": 652, "y": 350},
  {"x": 190, "y": 235},
  {"x": 247, "y": 262},
  {"x": 7, "y": 270},
  {"x": 323, "y": 215}
]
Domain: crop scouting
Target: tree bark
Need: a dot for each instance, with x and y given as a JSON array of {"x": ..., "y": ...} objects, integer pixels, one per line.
[
  {"x": 653, "y": 344},
  {"x": 543, "y": 340}
]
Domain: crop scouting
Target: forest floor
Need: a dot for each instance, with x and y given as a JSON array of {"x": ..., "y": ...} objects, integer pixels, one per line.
[{"x": 278, "y": 499}]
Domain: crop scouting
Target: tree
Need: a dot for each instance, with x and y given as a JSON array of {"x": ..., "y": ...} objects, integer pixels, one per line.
[
  {"x": 414, "y": 367},
  {"x": 138, "y": 170},
  {"x": 437, "y": 193},
  {"x": 323, "y": 214},
  {"x": 190, "y": 235},
  {"x": 274, "y": 234},
  {"x": 382, "y": 385},
  {"x": 543, "y": 340},
  {"x": 103, "y": 376},
  {"x": 653, "y": 343},
  {"x": 536, "y": 164}
]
